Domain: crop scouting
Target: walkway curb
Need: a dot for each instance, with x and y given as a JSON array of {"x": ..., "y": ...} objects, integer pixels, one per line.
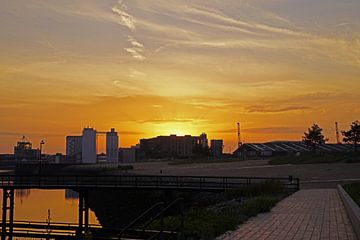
[{"x": 352, "y": 209}]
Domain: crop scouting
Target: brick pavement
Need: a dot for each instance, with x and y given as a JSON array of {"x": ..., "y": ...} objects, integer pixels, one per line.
[{"x": 307, "y": 214}]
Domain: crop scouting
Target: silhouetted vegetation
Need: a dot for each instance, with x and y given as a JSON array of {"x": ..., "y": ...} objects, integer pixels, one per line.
[
  {"x": 353, "y": 189},
  {"x": 314, "y": 137},
  {"x": 353, "y": 135},
  {"x": 207, "y": 221},
  {"x": 267, "y": 188},
  {"x": 207, "y": 214}
]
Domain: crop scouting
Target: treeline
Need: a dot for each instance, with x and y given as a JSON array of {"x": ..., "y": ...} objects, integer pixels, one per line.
[{"x": 314, "y": 136}]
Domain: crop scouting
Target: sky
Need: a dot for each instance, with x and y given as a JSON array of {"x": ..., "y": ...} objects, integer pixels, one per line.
[{"x": 160, "y": 67}]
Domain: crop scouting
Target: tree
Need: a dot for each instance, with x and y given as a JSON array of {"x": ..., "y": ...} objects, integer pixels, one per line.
[
  {"x": 314, "y": 137},
  {"x": 352, "y": 135}
]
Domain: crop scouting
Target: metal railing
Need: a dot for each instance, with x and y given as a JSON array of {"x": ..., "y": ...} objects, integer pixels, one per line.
[{"x": 140, "y": 182}]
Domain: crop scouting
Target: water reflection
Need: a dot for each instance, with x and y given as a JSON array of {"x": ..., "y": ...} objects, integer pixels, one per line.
[
  {"x": 71, "y": 194},
  {"x": 22, "y": 194},
  {"x": 33, "y": 205}
]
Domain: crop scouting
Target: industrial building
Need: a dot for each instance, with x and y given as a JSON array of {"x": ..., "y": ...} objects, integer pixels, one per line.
[
  {"x": 275, "y": 148},
  {"x": 84, "y": 148},
  {"x": 24, "y": 151},
  {"x": 74, "y": 148},
  {"x": 129, "y": 155},
  {"x": 216, "y": 148},
  {"x": 89, "y": 146},
  {"x": 172, "y": 146},
  {"x": 112, "y": 145}
]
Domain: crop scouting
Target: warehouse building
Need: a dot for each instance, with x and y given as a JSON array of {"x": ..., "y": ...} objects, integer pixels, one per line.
[{"x": 276, "y": 148}]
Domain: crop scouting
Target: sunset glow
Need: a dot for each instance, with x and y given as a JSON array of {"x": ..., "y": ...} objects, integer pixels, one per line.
[{"x": 163, "y": 67}]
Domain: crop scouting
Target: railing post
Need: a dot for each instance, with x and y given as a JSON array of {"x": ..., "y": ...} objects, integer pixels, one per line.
[
  {"x": 86, "y": 211},
  {"x": 8, "y": 197},
  {"x": 4, "y": 210},
  {"x": 11, "y": 213}
]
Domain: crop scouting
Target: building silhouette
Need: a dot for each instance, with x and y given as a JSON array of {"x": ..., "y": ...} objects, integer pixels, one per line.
[
  {"x": 112, "y": 146},
  {"x": 89, "y": 146},
  {"x": 216, "y": 148},
  {"x": 24, "y": 151},
  {"x": 172, "y": 146},
  {"x": 84, "y": 148},
  {"x": 74, "y": 148}
]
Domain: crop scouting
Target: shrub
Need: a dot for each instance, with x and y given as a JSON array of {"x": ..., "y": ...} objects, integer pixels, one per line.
[
  {"x": 256, "y": 189},
  {"x": 258, "y": 205}
]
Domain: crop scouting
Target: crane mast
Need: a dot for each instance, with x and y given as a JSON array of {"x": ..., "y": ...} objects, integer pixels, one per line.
[
  {"x": 239, "y": 135},
  {"x": 337, "y": 133}
]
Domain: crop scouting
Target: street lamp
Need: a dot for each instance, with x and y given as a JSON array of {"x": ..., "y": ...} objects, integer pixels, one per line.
[{"x": 42, "y": 142}]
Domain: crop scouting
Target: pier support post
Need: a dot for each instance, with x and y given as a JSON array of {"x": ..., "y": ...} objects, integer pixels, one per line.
[
  {"x": 8, "y": 205},
  {"x": 83, "y": 211}
]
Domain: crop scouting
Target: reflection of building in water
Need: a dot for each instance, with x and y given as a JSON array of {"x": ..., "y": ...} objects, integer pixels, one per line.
[
  {"x": 22, "y": 194},
  {"x": 71, "y": 194}
]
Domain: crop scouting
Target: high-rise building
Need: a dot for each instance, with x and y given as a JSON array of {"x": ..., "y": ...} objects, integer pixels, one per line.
[
  {"x": 112, "y": 146},
  {"x": 73, "y": 148},
  {"x": 89, "y": 145}
]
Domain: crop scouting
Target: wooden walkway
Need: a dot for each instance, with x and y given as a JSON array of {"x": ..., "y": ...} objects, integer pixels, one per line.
[{"x": 307, "y": 214}]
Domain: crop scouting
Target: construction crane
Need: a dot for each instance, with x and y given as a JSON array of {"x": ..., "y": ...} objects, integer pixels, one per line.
[
  {"x": 239, "y": 135},
  {"x": 337, "y": 133}
]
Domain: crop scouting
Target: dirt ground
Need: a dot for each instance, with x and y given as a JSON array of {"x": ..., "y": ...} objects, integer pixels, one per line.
[{"x": 311, "y": 175}]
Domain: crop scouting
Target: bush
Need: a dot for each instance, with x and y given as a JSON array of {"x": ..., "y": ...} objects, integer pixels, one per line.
[
  {"x": 258, "y": 205},
  {"x": 205, "y": 223},
  {"x": 269, "y": 187}
]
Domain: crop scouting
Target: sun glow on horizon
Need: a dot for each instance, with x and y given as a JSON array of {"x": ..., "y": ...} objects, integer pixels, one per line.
[{"x": 175, "y": 67}]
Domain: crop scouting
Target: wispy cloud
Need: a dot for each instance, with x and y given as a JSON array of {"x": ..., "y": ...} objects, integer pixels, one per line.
[
  {"x": 130, "y": 133},
  {"x": 136, "y": 50},
  {"x": 274, "y": 130},
  {"x": 175, "y": 120},
  {"x": 274, "y": 108},
  {"x": 263, "y": 130},
  {"x": 125, "y": 18}
]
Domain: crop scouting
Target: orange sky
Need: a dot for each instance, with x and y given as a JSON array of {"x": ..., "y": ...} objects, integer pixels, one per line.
[{"x": 185, "y": 67}]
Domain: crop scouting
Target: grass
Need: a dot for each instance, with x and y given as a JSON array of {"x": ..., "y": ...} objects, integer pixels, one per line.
[
  {"x": 311, "y": 158},
  {"x": 204, "y": 223},
  {"x": 353, "y": 189},
  {"x": 213, "y": 218}
]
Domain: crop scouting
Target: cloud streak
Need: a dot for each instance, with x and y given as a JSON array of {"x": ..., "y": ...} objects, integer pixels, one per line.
[
  {"x": 136, "y": 50},
  {"x": 125, "y": 18}
]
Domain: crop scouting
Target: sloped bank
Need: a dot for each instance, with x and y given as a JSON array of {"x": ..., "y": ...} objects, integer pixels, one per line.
[{"x": 352, "y": 208}]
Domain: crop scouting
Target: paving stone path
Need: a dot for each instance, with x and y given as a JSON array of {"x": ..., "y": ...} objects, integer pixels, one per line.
[{"x": 307, "y": 214}]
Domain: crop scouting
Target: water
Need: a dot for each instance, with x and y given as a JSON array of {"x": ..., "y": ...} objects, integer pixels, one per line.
[{"x": 33, "y": 205}]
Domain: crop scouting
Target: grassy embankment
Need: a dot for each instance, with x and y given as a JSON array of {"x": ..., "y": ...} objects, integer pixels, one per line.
[
  {"x": 311, "y": 158},
  {"x": 353, "y": 189},
  {"x": 209, "y": 220}
]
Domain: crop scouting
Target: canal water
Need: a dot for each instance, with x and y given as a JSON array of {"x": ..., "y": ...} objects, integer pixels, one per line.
[{"x": 37, "y": 205}]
